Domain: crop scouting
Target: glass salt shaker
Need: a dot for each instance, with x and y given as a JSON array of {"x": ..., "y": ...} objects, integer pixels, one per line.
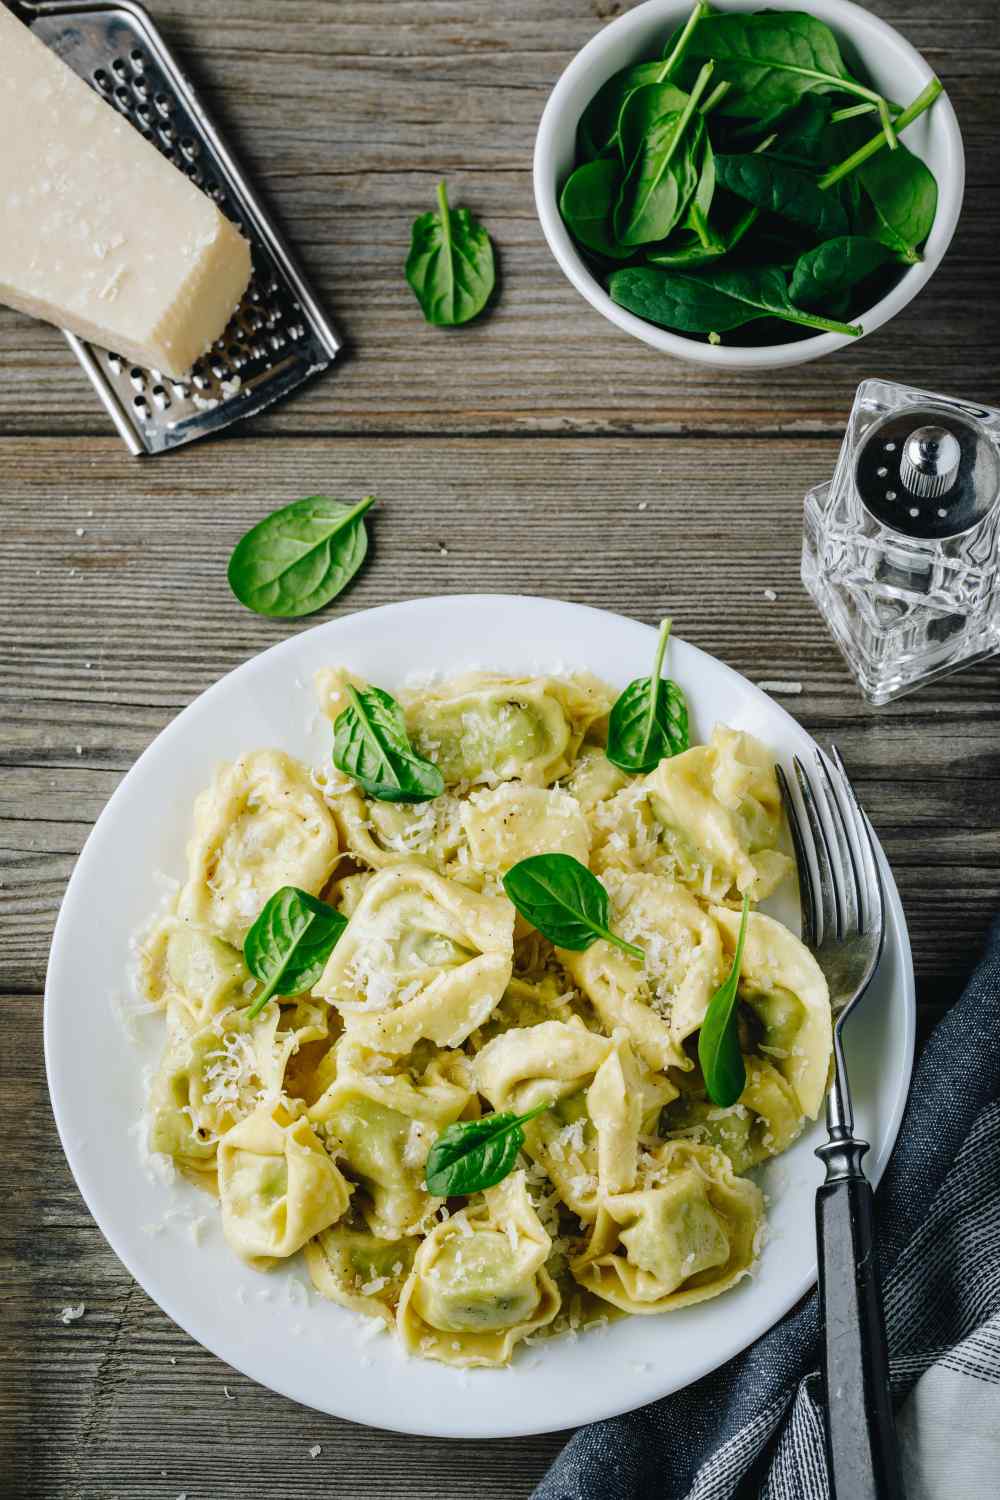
[{"x": 901, "y": 550}]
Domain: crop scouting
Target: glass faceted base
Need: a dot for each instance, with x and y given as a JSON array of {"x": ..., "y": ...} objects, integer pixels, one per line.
[{"x": 908, "y": 583}]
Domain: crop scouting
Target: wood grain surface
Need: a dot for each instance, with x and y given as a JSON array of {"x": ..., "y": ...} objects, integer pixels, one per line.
[{"x": 548, "y": 454}]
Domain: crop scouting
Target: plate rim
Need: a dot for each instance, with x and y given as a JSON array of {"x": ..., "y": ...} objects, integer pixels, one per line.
[{"x": 596, "y": 1411}]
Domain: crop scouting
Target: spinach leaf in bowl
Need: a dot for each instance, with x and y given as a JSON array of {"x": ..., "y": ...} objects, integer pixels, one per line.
[{"x": 713, "y": 301}]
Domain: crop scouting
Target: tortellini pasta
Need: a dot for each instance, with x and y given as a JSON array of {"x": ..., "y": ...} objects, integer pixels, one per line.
[
  {"x": 785, "y": 989},
  {"x": 278, "y": 1185},
  {"x": 688, "y": 1230},
  {"x": 259, "y": 826},
  {"x": 661, "y": 1000},
  {"x": 484, "y": 726},
  {"x": 479, "y": 1283},
  {"x": 384, "y": 1113},
  {"x": 438, "y": 1003},
  {"x": 710, "y": 818},
  {"x": 422, "y": 957}
]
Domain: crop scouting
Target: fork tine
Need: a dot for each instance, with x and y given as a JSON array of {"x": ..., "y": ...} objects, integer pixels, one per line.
[
  {"x": 829, "y": 924},
  {"x": 811, "y": 915},
  {"x": 847, "y": 863},
  {"x": 871, "y": 873}
]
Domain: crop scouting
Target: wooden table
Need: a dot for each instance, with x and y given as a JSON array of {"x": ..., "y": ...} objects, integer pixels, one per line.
[{"x": 553, "y": 456}]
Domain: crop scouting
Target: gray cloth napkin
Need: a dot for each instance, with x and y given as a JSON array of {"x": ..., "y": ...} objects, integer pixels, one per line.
[{"x": 755, "y": 1426}]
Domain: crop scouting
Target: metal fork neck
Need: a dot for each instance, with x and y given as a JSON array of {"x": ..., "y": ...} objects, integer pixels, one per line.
[{"x": 842, "y": 1155}]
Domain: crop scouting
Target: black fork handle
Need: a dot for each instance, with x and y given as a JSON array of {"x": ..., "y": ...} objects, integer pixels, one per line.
[{"x": 861, "y": 1448}]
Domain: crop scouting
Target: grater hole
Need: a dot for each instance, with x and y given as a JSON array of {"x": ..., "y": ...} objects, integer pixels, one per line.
[
  {"x": 218, "y": 369},
  {"x": 190, "y": 147},
  {"x": 102, "y": 80},
  {"x": 142, "y": 407},
  {"x": 162, "y": 103},
  {"x": 194, "y": 175},
  {"x": 118, "y": 68},
  {"x": 138, "y": 378},
  {"x": 160, "y": 397},
  {"x": 137, "y": 59},
  {"x": 140, "y": 88},
  {"x": 115, "y": 364},
  {"x": 123, "y": 98},
  {"x": 145, "y": 114},
  {"x": 168, "y": 135}
]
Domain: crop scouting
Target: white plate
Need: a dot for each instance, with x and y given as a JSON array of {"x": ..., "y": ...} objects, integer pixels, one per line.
[{"x": 317, "y": 1354}]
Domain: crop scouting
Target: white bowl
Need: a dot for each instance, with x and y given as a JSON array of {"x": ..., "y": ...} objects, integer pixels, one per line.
[{"x": 895, "y": 68}]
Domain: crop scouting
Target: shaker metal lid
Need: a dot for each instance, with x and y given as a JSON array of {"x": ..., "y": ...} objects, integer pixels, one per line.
[{"x": 927, "y": 472}]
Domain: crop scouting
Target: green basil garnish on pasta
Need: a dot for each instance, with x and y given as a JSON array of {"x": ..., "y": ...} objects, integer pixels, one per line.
[
  {"x": 719, "y": 1052},
  {"x": 287, "y": 947},
  {"x": 649, "y": 720},
  {"x": 473, "y": 1155},
  {"x": 371, "y": 745},
  {"x": 565, "y": 902}
]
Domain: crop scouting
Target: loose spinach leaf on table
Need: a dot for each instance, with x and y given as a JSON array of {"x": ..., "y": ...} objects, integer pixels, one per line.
[
  {"x": 371, "y": 745},
  {"x": 775, "y": 187},
  {"x": 299, "y": 557},
  {"x": 822, "y": 274},
  {"x": 473, "y": 1155},
  {"x": 649, "y": 720},
  {"x": 562, "y": 899},
  {"x": 713, "y": 301},
  {"x": 587, "y": 202},
  {"x": 288, "y": 945},
  {"x": 719, "y": 1052},
  {"x": 659, "y": 150},
  {"x": 450, "y": 264}
]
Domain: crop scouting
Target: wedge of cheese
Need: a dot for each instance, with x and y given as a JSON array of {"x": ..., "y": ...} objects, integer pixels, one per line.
[{"x": 99, "y": 233}]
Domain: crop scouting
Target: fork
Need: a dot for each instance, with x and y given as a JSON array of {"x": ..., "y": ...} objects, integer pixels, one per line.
[{"x": 843, "y": 921}]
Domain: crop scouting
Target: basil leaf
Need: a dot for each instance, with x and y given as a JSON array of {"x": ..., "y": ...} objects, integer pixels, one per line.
[
  {"x": 287, "y": 947},
  {"x": 778, "y": 188},
  {"x": 564, "y": 901},
  {"x": 472, "y": 1155},
  {"x": 773, "y": 59},
  {"x": 450, "y": 264},
  {"x": 300, "y": 557},
  {"x": 586, "y": 204},
  {"x": 647, "y": 723},
  {"x": 718, "y": 1041},
  {"x": 371, "y": 745},
  {"x": 659, "y": 145},
  {"x": 822, "y": 274},
  {"x": 713, "y": 301}
]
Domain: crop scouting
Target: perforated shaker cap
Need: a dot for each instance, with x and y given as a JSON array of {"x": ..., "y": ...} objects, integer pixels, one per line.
[{"x": 927, "y": 472}]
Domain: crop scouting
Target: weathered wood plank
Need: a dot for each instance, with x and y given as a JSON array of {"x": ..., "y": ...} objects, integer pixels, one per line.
[{"x": 347, "y": 114}]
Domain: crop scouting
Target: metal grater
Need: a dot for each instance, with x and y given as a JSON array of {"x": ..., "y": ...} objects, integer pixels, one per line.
[{"x": 279, "y": 335}]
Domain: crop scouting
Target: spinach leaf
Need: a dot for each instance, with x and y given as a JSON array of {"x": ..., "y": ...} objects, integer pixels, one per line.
[
  {"x": 695, "y": 241},
  {"x": 587, "y": 202},
  {"x": 659, "y": 150},
  {"x": 473, "y": 1155},
  {"x": 299, "y": 557},
  {"x": 899, "y": 201},
  {"x": 450, "y": 264},
  {"x": 713, "y": 301},
  {"x": 719, "y": 1053},
  {"x": 370, "y": 744},
  {"x": 562, "y": 899},
  {"x": 649, "y": 720},
  {"x": 775, "y": 187},
  {"x": 287, "y": 947},
  {"x": 597, "y": 132},
  {"x": 773, "y": 59},
  {"x": 822, "y": 274},
  {"x": 871, "y": 147}
]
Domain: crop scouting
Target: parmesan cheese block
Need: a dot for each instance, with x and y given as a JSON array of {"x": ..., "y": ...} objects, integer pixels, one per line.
[{"x": 101, "y": 234}]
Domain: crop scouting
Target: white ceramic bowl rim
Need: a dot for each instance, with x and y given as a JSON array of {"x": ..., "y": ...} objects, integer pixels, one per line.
[{"x": 850, "y": 22}]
